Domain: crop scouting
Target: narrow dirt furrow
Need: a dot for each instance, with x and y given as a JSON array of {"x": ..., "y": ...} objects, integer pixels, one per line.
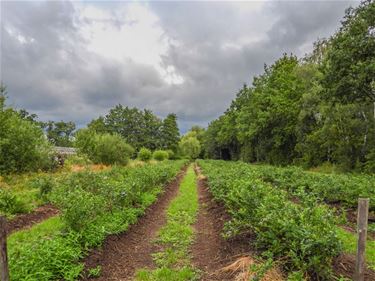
[
  {"x": 122, "y": 254},
  {"x": 210, "y": 251},
  {"x": 25, "y": 221}
]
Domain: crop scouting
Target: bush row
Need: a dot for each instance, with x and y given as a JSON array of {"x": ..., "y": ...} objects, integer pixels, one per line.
[
  {"x": 145, "y": 154},
  {"x": 330, "y": 188},
  {"x": 112, "y": 149},
  {"x": 303, "y": 238},
  {"x": 93, "y": 205}
]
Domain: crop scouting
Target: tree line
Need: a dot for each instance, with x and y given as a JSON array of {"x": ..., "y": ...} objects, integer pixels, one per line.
[
  {"x": 309, "y": 111},
  {"x": 26, "y": 144}
]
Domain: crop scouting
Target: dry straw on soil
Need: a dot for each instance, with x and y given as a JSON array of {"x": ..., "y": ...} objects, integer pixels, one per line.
[{"x": 241, "y": 270}]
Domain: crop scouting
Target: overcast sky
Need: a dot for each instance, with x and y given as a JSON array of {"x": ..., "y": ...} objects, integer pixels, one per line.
[{"x": 76, "y": 60}]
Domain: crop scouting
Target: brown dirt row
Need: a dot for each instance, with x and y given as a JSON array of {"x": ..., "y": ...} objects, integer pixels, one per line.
[
  {"x": 210, "y": 251},
  {"x": 24, "y": 221},
  {"x": 121, "y": 255},
  {"x": 344, "y": 265}
]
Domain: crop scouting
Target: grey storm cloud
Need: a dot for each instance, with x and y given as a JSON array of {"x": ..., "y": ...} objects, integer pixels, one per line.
[{"x": 216, "y": 47}]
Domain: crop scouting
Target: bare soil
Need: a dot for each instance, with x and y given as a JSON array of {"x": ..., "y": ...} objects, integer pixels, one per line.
[
  {"x": 344, "y": 265},
  {"x": 24, "y": 221},
  {"x": 210, "y": 251},
  {"x": 121, "y": 255}
]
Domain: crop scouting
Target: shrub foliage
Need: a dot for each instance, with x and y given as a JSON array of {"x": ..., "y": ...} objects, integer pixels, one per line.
[
  {"x": 303, "y": 236},
  {"x": 160, "y": 155},
  {"x": 103, "y": 148},
  {"x": 144, "y": 154}
]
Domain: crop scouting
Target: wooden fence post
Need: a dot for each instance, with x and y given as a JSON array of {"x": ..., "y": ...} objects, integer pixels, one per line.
[
  {"x": 362, "y": 219},
  {"x": 4, "y": 270}
]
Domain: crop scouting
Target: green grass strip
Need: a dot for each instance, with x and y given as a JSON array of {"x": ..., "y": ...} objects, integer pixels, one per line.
[
  {"x": 173, "y": 262},
  {"x": 37, "y": 253},
  {"x": 349, "y": 241},
  {"x": 48, "y": 228}
]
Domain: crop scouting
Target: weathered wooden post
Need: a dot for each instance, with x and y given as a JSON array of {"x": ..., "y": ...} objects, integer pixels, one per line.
[
  {"x": 4, "y": 270},
  {"x": 362, "y": 219}
]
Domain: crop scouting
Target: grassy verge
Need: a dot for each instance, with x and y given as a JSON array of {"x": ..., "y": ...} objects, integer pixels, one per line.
[
  {"x": 173, "y": 262},
  {"x": 39, "y": 252},
  {"x": 349, "y": 241}
]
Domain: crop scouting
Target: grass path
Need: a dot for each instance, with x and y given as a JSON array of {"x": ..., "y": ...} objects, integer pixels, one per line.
[
  {"x": 349, "y": 241},
  {"x": 174, "y": 239}
]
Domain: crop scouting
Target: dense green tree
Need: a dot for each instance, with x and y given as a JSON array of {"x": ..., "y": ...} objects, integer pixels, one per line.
[
  {"x": 60, "y": 133},
  {"x": 190, "y": 147},
  {"x": 98, "y": 125},
  {"x": 126, "y": 122},
  {"x": 151, "y": 130},
  {"x": 139, "y": 128},
  {"x": 170, "y": 134},
  {"x": 310, "y": 111},
  {"x": 210, "y": 143},
  {"x": 268, "y": 121},
  {"x": 24, "y": 114},
  {"x": 349, "y": 67},
  {"x": 23, "y": 146}
]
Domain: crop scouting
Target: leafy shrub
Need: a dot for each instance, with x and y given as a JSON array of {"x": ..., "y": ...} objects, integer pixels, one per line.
[
  {"x": 144, "y": 154},
  {"x": 112, "y": 149},
  {"x": 103, "y": 148},
  {"x": 10, "y": 203},
  {"x": 45, "y": 184},
  {"x": 23, "y": 146},
  {"x": 80, "y": 208},
  {"x": 171, "y": 154},
  {"x": 160, "y": 155}
]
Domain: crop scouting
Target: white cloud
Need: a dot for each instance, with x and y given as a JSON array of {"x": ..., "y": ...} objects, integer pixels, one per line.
[
  {"x": 132, "y": 32},
  {"x": 18, "y": 35},
  {"x": 76, "y": 60}
]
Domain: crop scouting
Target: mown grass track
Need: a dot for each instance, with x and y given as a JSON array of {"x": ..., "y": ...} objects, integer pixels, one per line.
[{"x": 173, "y": 262}]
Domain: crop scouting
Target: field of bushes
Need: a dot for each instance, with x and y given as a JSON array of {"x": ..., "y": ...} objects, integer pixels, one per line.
[
  {"x": 285, "y": 209},
  {"x": 92, "y": 205}
]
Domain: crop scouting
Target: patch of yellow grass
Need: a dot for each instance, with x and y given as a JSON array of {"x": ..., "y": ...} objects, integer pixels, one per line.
[
  {"x": 135, "y": 163},
  {"x": 94, "y": 167},
  {"x": 199, "y": 173},
  {"x": 99, "y": 167}
]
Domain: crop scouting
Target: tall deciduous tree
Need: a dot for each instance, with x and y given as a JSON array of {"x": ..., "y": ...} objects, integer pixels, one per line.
[{"x": 349, "y": 68}]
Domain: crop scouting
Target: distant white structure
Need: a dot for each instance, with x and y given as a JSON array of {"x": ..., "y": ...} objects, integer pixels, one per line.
[{"x": 65, "y": 150}]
